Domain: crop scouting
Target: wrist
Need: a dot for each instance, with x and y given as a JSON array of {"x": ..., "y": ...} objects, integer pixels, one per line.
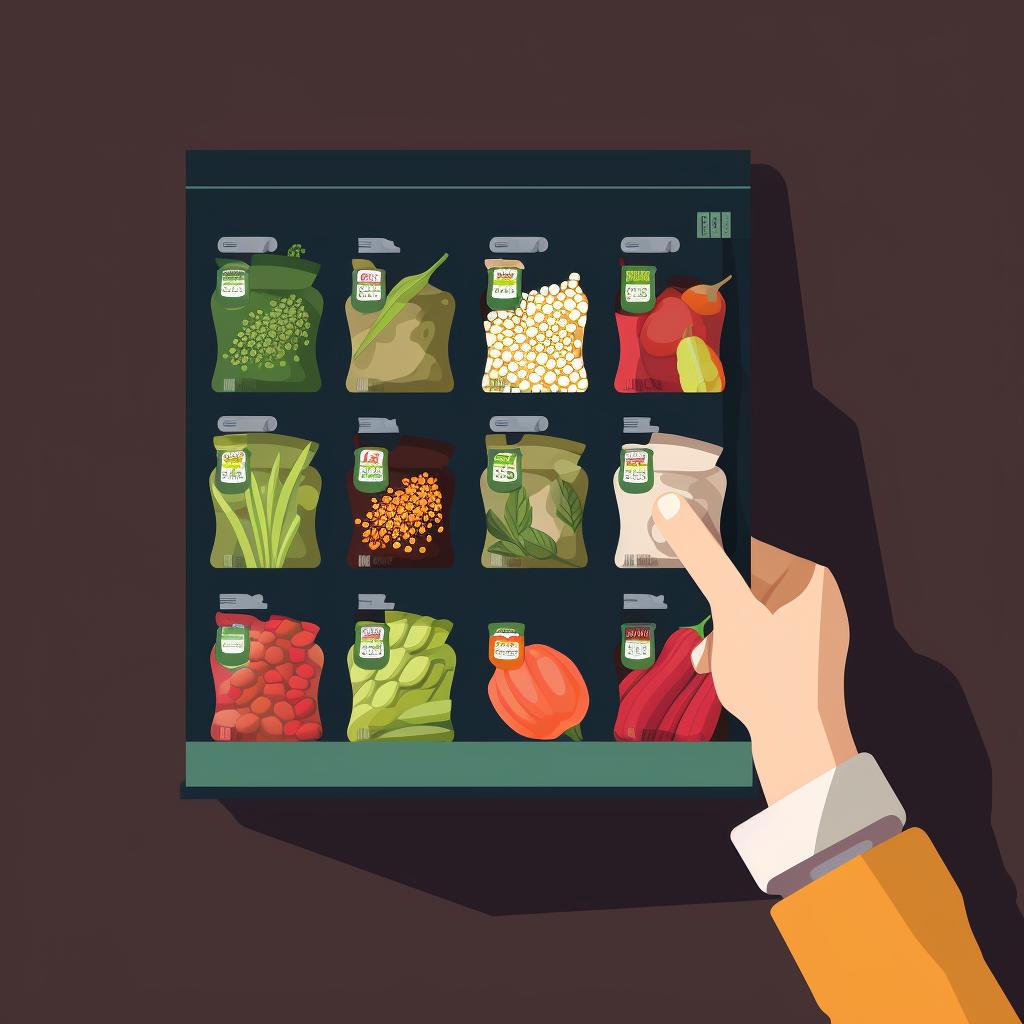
[{"x": 790, "y": 757}]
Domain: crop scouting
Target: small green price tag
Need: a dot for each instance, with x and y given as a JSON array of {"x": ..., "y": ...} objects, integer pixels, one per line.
[
  {"x": 232, "y": 647},
  {"x": 714, "y": 224},
  {"x": 505, "y": 469},
  {"x": 233, "y": 470},
  {"x": 370, "y": 472},
  {"x": 637, "y": 650},
  {"x": 636, "y": 470},
  {"x": 371, "y": 648}
]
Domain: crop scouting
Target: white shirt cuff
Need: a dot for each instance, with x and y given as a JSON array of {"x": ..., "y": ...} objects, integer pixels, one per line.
[{"x": 819, "y": 826}]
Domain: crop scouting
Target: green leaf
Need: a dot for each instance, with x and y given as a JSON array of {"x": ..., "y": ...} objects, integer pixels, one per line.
[
  {"x": 236, "y": 525},
  {"x": 518, "y": 512},
  {"x": 496, "y": 527},
  {"x": 701, "y": 628},
  {"x": 399, "y": 296},
  {"x": 570, "y": 509},
  {"x": 505, "y": 548},
  {"x": 537, "y": 544},
  {"x": 284, "y": 498}
]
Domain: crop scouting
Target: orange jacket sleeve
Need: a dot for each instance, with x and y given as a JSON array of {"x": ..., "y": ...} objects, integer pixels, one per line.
[{"x": 885, "y": 937}]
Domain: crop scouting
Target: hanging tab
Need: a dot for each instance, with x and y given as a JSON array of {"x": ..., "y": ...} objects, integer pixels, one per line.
[
  {"x": 518, "y": 243},
  {"x": 375, "y": 603},
  {"x": 240, "y": 602},
  {"x": 247, "y": 424},
  {"x": 377, "y": 425},
  {"x": 246, "y": 243},
  {"x": 377, "y": 245},
  {"x": 636, "y": 602},
  {"x": 650, "y": 243},
  {"x": 519, "y": 424},
  {"x": 638, "y": 425}
]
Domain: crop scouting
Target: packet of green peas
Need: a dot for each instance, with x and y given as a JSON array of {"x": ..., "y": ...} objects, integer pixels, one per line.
[{"x": 266, "y": 314}]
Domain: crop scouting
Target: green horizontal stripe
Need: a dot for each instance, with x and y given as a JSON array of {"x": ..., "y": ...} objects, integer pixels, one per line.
[{"x": 461, "y": 764}]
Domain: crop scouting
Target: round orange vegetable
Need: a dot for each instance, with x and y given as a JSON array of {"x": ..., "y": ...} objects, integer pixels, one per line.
[{"x": 543, "y": 698}]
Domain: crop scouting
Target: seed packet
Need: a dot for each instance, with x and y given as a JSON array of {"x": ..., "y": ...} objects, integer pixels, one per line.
[
  {"x": 400, "y": 490},
  {"x": 266, "y": 674},
  {"x": 534, "y": 338},
  {"x": 665, "y": 699},
  {"x": 534, "y": 492},
  {"x": 669, "y": 336},
  {"x": 266, "y": 314},
  {"x": 399, "y": 328},
  {"x": 264, "y": 494},
  {"x": 662, "y": 464},
  {"x": 401, "y": 670}
]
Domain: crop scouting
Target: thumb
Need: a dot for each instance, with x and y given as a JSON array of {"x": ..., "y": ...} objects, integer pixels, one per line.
[{"x": 701, "y": 554}]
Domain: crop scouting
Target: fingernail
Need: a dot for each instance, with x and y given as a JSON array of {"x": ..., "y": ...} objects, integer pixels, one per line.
[
  {"x": 697, "y": 653},
  {"x": 668, "y": 505}
]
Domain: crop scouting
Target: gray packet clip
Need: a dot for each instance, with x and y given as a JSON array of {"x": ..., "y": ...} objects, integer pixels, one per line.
[
  {"x": 375, "y": 603},
  {"x": 377, "y": 245},
  {"x": 240, "y": 602},
  {"x": 643, "y": 602},
  {"x": 650, "y": 243},
  {"x": 247, "y": 424},
  {"x": 518, "y": 243},
  {"x": 247, "y": 243},
  {"x": 638, "y": 425},
  {"x": 377, "y": 425},
  {"x": 519, "y": 424}
]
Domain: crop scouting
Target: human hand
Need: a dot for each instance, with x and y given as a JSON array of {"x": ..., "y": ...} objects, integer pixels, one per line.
[{"x": 777, "y": 653}]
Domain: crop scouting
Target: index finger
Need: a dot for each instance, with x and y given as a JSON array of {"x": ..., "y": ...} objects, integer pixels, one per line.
[{"x": 702, "y": 555}]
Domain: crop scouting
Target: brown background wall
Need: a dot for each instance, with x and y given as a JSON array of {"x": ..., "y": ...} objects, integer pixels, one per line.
[{"x": 894, "y": 131}]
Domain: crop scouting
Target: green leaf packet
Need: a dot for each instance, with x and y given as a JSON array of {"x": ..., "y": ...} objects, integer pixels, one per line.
[{"x": 533, "y": 494}]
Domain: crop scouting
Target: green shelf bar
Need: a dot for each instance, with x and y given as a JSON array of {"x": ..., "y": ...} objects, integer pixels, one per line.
[{"x": 467, "y": 765}]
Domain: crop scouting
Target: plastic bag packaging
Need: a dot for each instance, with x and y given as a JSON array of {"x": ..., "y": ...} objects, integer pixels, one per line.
[
  {"x": 264, "y": 494},
  {"x": 667, "y": 463},
  {"x": 266, "y": 675},
  {"x": 534, "y": 338},
  {"x": 534, "y": 492},
  {"x": 399, "y": 336},
  {"x": 401, "y": 669},
  {"x": 662, "y": 698},
  {"x": 669, "y": 340},
  {"x": 266, "y": 314},
  {"x": 400, "y": 492}
]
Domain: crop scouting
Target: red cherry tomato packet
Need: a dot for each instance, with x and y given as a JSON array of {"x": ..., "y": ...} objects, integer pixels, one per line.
[{"x": 266, "y": 678}]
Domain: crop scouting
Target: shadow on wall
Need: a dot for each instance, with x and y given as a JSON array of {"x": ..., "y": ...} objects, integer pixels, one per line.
[{"x": 509, "y": 856}]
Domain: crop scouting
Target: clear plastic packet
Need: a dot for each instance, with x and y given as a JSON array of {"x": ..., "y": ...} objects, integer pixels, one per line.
[
  {"x": 266, "y": 674},
  {"x": 401, "y": 668},
  {"x": 264, "y": 493}
]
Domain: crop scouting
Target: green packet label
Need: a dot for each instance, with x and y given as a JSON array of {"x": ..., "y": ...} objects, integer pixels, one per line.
[
  {"x": 369, "y": 289},
  {"x": 636, "y": 470},
  {"x": 504, "y": 287},
  {"x": 370, "y": 472},
  {"x": 507, "y": 642},
  {"x": 232, "y": 646},
  {"x": 233, "y": 470},
  {"x": 637, "y": 647},
  {"x": 233, "y": 281},
  {"x": 371, "y": 647},
  {"x": 637, "y": 289},
  {"x": 505, "y": 469}
]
